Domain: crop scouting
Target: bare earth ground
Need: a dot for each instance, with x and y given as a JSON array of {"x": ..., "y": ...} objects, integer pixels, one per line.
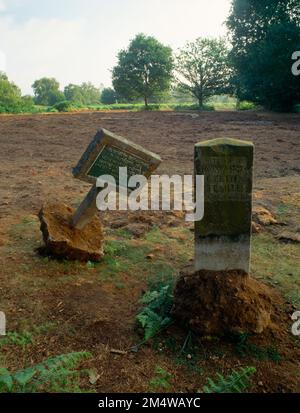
[{"x": 74, "y": 306}]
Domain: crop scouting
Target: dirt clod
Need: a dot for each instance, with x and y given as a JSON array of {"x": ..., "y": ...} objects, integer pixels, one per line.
[
  {"x": 263, "y": 216},
  {"x": 64, "y": 241},
  {"x": 216, "y": 303},
  {"x": 288, "y": 236}
]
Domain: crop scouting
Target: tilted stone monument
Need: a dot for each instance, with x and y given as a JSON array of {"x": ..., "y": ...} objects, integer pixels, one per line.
[
  {"x": 78, "y": 235},
  {"x": 222, "y": 238},
  {"x": 104, "y": 156}
]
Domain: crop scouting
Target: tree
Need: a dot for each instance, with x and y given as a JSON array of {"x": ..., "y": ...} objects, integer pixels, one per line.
[
  {"x": 264, "y": 35},
  {"x": 108, "y": 96},
  {"x": 11, "y": 99},
  {"x": 143, "y": 70},
  {"x": 85, "y": 94},
  {"x": 90, "y": 93},
  {"x": 73, "y": 93},
  {"x": 46, "y": 92},
  {"x": 202, "y": 68}
]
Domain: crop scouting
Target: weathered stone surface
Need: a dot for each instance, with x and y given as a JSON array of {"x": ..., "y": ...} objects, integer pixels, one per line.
[
  {"x": 108, "y": 152},
  {"x": 222, "y": 238},
  {"x": 86, "y": 210},
  {"x": 217, "y": 303},
  {"x": 104, "y": 156},
  {"x": 62, "y": 240}
]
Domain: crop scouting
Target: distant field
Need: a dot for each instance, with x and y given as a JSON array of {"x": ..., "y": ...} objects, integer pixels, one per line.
[{"x": 216, "y": 103}]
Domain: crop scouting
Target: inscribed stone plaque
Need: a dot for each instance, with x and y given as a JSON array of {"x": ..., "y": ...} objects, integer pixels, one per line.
[
  {"x": 104, "y": 156},
  {"x": 222, "y": 238},
  {"x": 108, "y": 152}
]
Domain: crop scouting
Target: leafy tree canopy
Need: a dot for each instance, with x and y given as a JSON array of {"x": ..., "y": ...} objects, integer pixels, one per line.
[
  {"x": 108, "y": 96},
  {"x": 11, "y": 99},
  {"x": 264, "y": 35},
  {"x": 144, "y": 69},
  {"x": 202, "y": 68},
  {"x": 85, "y": 94},
  {"x": 46, "y": 92}
]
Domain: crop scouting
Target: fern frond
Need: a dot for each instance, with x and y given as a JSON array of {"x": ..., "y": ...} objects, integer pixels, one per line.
[
  {"x": 237, "y": 382},
  {"x": 152, "y": 322},
  {"x": 157, "y": 313},
  {"x": 52, "y": 371}
]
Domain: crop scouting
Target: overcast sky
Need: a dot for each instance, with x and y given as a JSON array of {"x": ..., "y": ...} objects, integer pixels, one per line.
[{"x": 77, "y": 40}]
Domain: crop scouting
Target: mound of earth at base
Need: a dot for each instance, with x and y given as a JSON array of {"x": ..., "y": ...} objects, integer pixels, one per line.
[
  {"x": 217, "y": 303},
  {"x": 64, "y": 241}
]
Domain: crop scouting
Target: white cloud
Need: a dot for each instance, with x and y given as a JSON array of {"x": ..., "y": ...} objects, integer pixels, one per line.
[
  {"x": 81, "y": 49},
  {"x": 2, "y": 62},
  {"x": 2, "y": 6},
  {"x": 55, "y": 48}
]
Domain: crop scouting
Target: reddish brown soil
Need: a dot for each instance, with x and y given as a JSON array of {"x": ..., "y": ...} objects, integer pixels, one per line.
[
  {"x": 218, "y": 303},
  {"x": 37, "y": 154},
  {"x": 39, "y": 151}
]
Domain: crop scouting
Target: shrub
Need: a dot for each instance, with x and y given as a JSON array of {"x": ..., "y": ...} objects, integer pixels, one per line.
[
  {"x": 245, "y": 105},
  {"x": 64, "y": 106}
]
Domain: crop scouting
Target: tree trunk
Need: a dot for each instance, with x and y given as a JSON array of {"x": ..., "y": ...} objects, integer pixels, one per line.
[
  {"x": 200, "y": 98},
  {"x": 146, "y": 102}
]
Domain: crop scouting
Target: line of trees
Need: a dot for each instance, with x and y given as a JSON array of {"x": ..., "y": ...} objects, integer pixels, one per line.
[
  {"x": 264, "y": 34},
  {"x": 254, "y": 65}
]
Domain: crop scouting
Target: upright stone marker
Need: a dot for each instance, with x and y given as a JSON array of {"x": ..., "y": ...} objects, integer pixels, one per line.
[{"x": 222, "y": 238}]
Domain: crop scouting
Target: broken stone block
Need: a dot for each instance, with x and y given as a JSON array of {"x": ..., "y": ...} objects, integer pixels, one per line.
[{"x": 64, "y": 241}]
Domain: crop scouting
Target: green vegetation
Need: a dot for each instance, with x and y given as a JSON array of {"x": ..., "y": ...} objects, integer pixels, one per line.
[
  {"x": 237, "y": 382},
  {"x": 85, "y": 94},
  {"x": 143, "y": 70},
  {"x": 55, "y": 374},
  {"x": 245, "y": 349},
  {"x": 264, "y": 35},
  {"x": 46, "y": 92},
  {"x": 11, "y": 99},
  {"x": 203, "y": 69},
  {"x": 17, "y": 339},
  {"x": 108, "y": 96},
  {"x": 156, "y": 315},
  {"x": 274, "y": 261},
  {"x": 252, "y": 71},
  {"x": 162, "y": 379}
]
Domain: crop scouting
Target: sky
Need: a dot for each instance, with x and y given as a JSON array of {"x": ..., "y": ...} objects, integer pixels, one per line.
[{"x": 77, "y": 41}]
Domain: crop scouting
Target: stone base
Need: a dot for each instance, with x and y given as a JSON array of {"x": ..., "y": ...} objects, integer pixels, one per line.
[
  {"x": 64, "y": 241},
  {"x": 217, "y": 253},
  {"x": 214, "y": 303}
]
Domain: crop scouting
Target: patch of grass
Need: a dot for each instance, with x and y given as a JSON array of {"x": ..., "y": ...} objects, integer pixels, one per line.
[
  {"x": 161, "y": 274},
  {"x": 245, "y": 105},
  {"x": 156, "y": 236},
  {"x": 17, "y": 339},
  {"x": 275, "y": 263},
  {"x": 282, "y": 210},
  {"x": 121, "y": 233},
  {"x": 22, "y": 228}
]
